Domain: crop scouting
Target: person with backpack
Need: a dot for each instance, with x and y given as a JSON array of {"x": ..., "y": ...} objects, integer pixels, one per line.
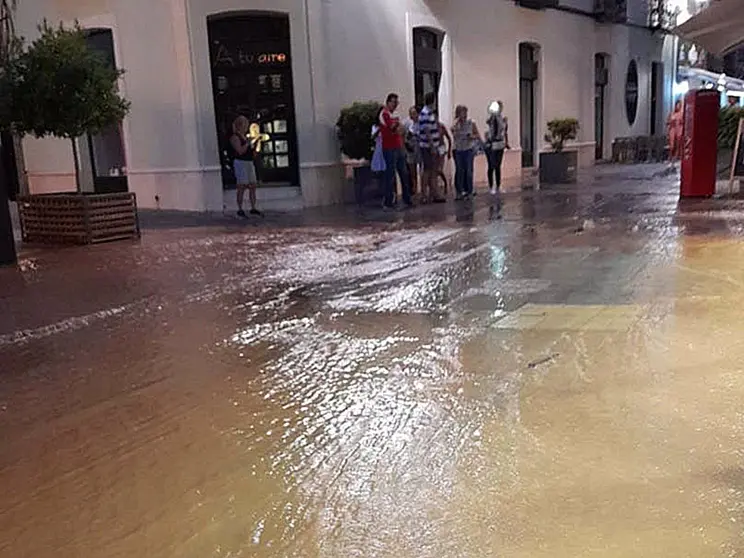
[{"x": 497, "y": 140}]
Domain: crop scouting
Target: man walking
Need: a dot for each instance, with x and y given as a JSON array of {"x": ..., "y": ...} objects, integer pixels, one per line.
[
  {"x": 430, "y": 143},
  {"x": 392, "y": 132}
]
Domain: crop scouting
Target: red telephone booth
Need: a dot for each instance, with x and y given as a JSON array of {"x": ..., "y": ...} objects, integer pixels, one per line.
[{"x": 700, "y": 144}]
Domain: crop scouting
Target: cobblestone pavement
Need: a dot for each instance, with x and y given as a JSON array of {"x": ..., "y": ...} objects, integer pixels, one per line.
[{"x": 552, "y": 373}]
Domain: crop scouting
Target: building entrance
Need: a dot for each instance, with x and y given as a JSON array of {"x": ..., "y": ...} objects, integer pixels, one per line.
[{"x": 252, "y": 76}]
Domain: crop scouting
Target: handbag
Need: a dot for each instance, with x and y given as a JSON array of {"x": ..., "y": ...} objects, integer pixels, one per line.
[{"x": 378, "y": 159}]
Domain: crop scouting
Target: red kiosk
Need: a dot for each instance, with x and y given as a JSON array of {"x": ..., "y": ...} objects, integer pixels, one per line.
[{"x": 700, "y": 144}]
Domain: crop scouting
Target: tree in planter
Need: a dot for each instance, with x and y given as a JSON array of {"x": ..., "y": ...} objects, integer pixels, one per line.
[
  {"x": 558, "y": 166},
  {"x": 560, "y": 130},
  {"x": 59, "y": 87},
  {"x": 354, "y": 129}
]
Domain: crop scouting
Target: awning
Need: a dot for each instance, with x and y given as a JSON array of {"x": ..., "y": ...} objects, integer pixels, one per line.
[{"x": 719, "y": 28}]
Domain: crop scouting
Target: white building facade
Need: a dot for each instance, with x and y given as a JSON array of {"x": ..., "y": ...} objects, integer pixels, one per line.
[{"x": 192, "y": 65}]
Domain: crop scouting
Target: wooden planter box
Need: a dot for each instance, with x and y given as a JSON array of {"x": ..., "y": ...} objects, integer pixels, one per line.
[{"x": 78, "y": 218}]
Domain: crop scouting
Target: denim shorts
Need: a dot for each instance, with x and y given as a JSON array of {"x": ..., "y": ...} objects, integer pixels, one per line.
[{"x": 245, "y": 172}]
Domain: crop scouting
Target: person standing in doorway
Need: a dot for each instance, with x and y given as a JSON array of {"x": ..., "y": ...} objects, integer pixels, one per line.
[
  {"x": 392, "y": 131},
  {"x": 430, "y": 142},
  {"x": 497, "y": 140},
  {"x": 243, "y": 165},
  {"x": 675, "y": 124},
  {"x": 465, "y": 137}
]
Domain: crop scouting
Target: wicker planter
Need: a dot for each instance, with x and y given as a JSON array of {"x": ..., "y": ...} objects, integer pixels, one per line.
[{"x": 78, "y": 218}]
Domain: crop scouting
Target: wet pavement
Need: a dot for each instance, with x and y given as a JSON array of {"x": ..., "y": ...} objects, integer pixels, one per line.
[{"x": 554, "y": 373}]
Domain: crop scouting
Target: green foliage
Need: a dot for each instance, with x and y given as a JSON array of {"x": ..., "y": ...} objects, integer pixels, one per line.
[
  {"x": 728, "y": 124},
  {"x": 561, "y": 130},
  {"x": 58, "y": 86},
  {"x": 354, "y": 129}
]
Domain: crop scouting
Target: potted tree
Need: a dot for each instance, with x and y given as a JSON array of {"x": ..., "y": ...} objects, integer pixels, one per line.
[
  {"x": 559, "y": 166},
  {"x": 354, "y": 131},
  {"x": 59, "y": 87}
]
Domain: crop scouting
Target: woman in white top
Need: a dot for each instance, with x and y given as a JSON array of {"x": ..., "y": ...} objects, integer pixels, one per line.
[{"x": 465, "y": 137}]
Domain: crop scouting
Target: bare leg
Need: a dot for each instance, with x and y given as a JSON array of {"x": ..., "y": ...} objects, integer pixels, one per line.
[
  {"x": 252, "y": 195},
  {"x": 240, "y": 188}
]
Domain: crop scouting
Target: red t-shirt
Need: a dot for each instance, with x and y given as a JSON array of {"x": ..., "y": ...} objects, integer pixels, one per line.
[{"x": 389, "y": 124}]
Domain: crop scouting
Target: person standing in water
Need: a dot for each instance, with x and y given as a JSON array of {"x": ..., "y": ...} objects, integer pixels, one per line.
[
  {"x": 465, "y": 136},
  {"x": 243, "y": 165},
  {"x": 497, "y": 140},
  {"x": 675, "y": 124}
]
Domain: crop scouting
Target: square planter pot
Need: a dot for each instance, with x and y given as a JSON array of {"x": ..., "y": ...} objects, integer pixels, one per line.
[
  {"x": 75, "y": 218},
  {"x": 558, "y": 167},
  {"x": 367, "y": 186}
]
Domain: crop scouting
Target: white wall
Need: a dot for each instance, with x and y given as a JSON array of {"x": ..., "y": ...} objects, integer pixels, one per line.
[{"x": 342, "y": 51}]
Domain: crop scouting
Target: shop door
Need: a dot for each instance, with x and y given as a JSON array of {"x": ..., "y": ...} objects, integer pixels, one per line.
[
  {"x": 427, "y": 63},
  {"x": 252, "y": 76},
  {"x": 657, "y": 73},
  {"x": 106, "y": 149},
  {"x": 600, "y": 86},
  {"x": 528, "y": 73}
]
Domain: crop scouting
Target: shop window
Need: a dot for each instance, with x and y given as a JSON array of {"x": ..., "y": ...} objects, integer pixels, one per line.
[
  {"x": 427, "y": 62},
  {"x": 252, "y": 76}
]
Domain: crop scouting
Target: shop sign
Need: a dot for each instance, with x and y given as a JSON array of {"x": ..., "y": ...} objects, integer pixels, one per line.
[
  {"x": 631, "y": 92},
  {"x": 239, "y": 57}
]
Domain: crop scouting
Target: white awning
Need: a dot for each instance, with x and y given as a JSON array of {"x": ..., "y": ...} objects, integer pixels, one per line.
[{"x": 719, "y": 28}]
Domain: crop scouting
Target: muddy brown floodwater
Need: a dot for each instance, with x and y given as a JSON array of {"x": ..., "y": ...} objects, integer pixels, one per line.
[{"x": 434, "y": 389}]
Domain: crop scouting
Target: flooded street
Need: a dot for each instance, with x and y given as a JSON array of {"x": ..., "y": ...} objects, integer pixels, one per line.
[{"x": 557, "y": 375}]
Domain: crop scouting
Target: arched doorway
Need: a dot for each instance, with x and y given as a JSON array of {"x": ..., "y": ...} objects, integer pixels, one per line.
[{"x": 251, "y": 67}]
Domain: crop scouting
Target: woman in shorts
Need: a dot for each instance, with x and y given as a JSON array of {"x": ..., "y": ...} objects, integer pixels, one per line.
[{"x": 243, "y": 165}]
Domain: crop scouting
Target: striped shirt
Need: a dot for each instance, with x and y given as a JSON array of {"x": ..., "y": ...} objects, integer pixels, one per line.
[{"x": 428, "y": 128}]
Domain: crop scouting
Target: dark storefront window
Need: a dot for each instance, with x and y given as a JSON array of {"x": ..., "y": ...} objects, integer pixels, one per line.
[{"x": 252, "y": 76}]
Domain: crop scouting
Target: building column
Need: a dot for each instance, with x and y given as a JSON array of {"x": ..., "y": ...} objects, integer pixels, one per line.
[{"x": 321, "y": 172}]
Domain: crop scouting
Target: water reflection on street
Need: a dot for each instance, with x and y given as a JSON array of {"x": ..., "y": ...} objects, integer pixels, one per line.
[{"x": 516, "y": 386}]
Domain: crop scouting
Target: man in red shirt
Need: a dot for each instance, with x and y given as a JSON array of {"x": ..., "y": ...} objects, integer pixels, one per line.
[{"x": 392, "y": 132}]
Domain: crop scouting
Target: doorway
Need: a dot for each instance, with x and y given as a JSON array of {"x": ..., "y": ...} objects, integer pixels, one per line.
[
  {"x": 657, "y": 74},
  {"x": 252, "y": 76},
  {"x": 528, "y": 75},
  {"x": 106, "y": 149},
  {"x": 601, "y": 79},
  {"x": 427, "y": 63}
]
